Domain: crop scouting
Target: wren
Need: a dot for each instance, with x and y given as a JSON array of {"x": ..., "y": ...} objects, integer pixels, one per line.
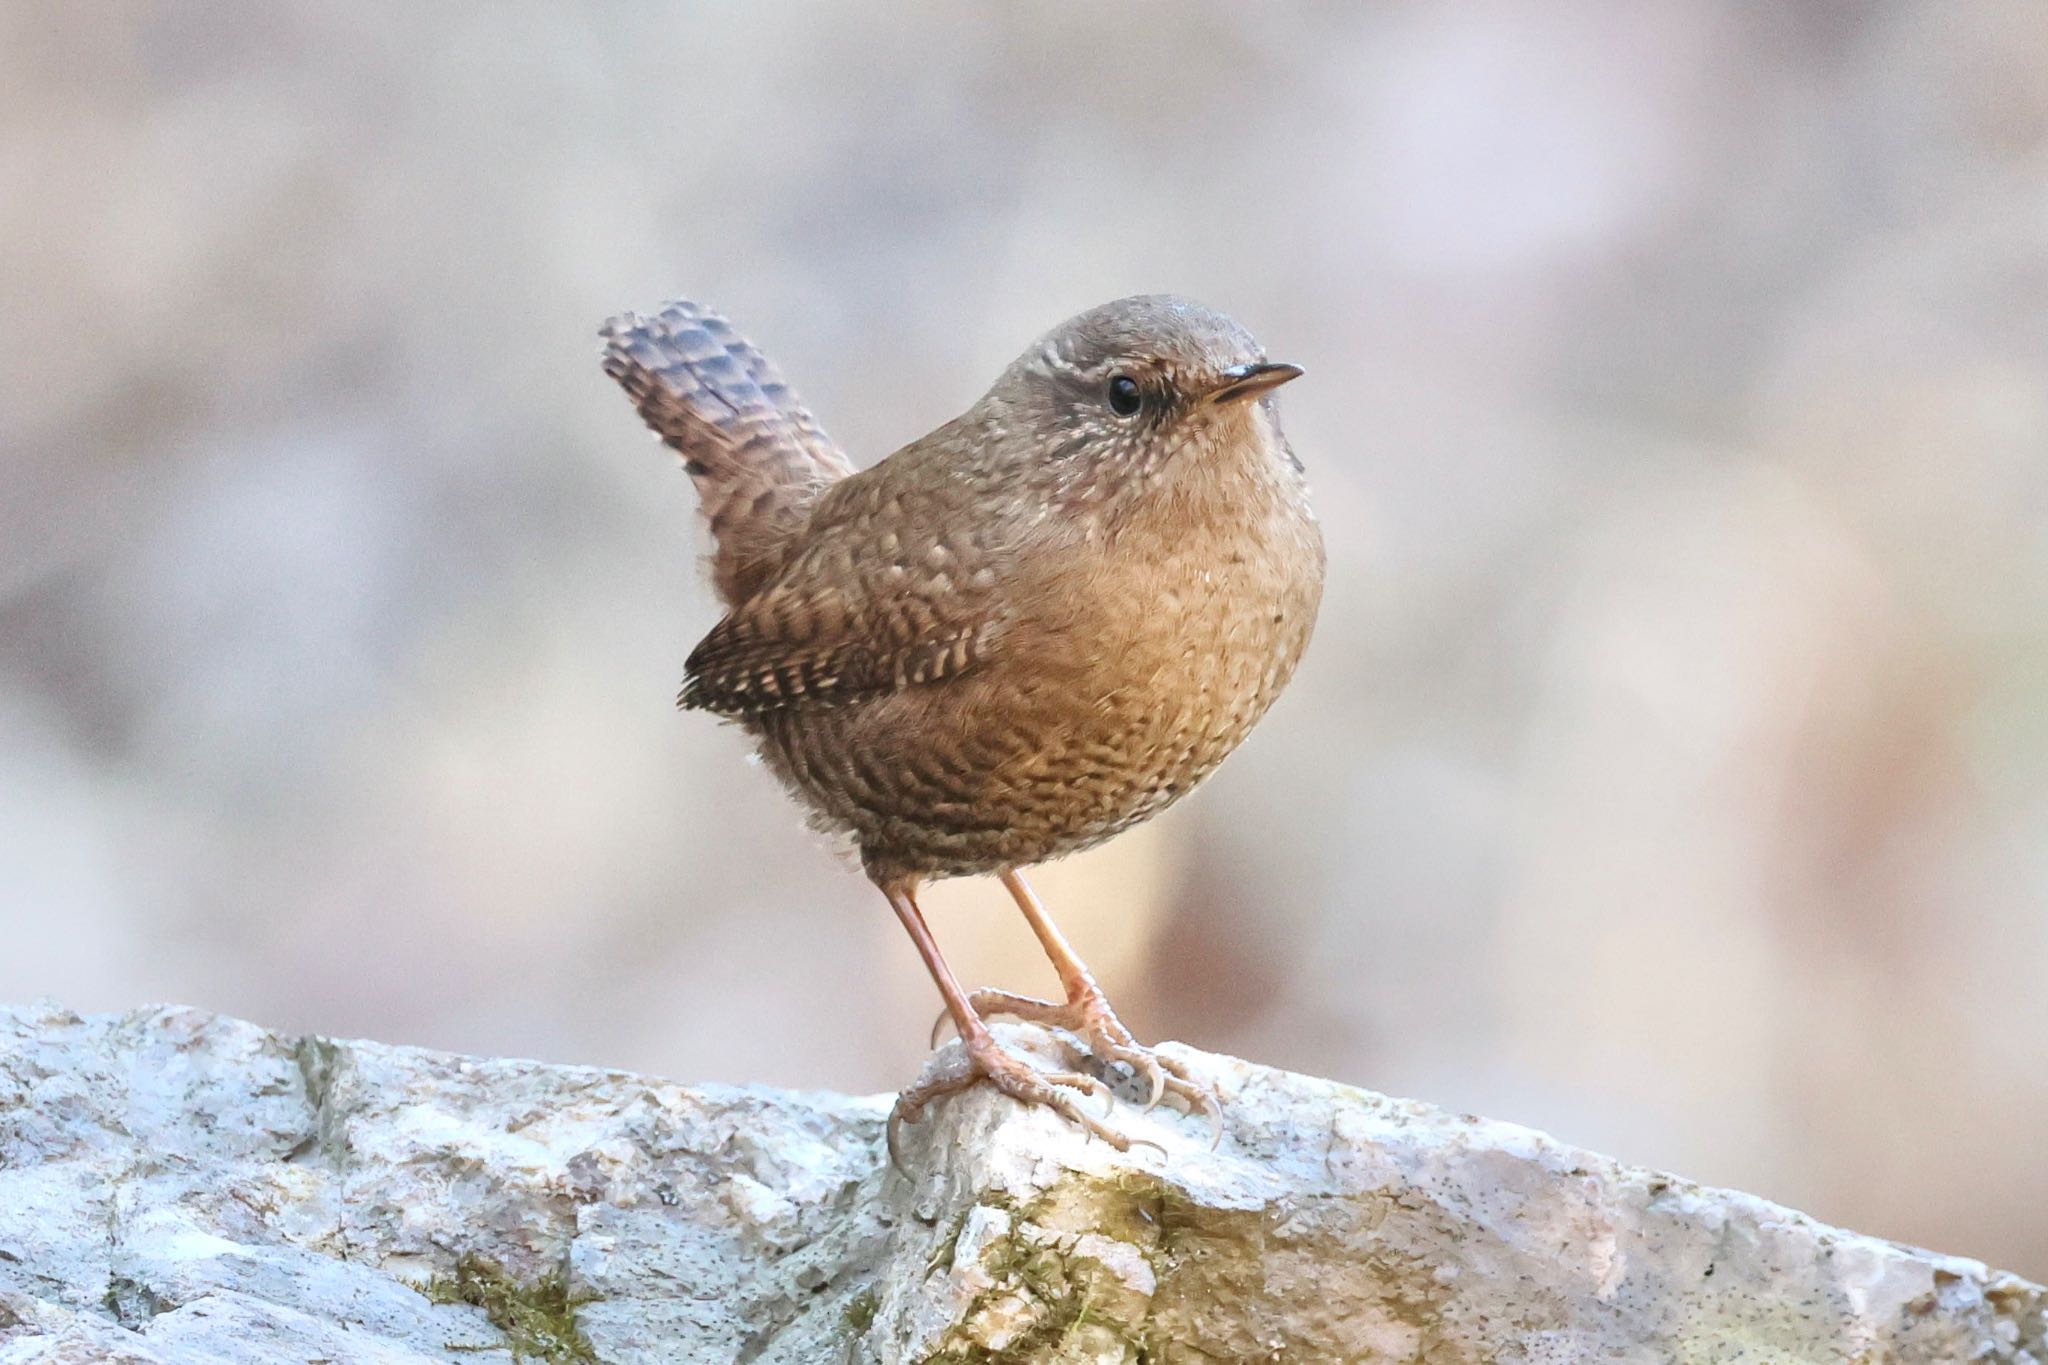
[{"x": 1015, "y": 637}]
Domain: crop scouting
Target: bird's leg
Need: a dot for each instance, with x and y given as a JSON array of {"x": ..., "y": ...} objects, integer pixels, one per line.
[
  {"x": 981, "y": 1056},
  {"x": 1086, "y": 1012}
]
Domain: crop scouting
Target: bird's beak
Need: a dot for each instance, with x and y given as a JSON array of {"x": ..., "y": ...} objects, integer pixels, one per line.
[{"x": 1249, "y": 381}]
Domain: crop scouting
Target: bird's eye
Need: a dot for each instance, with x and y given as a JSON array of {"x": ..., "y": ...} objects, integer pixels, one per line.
[{"x": 1124, "y": 395}]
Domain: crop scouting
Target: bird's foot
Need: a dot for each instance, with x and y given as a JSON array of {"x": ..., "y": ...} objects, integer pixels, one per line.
[
  {"x": 981, "y": 1058},
  {"x": 1089, "y": 1017}
]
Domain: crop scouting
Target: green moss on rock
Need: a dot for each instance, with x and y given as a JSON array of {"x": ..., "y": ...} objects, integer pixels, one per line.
[
  {"x": 860, "y": 1312},
  {"x": 538, "y": 1319}
]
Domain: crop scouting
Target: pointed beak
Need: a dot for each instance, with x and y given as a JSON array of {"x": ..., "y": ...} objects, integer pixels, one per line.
[{"x": 1249, "y": 381}]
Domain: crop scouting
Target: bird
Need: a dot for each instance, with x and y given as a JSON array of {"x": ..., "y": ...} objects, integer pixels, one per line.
[{"x": 1011, "y": 639}]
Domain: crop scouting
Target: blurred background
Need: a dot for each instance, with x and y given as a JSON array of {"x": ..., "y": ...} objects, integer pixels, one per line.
[{"x": 1670, "y": 769}]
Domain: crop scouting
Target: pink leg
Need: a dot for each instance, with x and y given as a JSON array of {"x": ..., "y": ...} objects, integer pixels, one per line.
[
  {"x": 981, "y": 1057},
  {"x": 1086, "y": 1012}
]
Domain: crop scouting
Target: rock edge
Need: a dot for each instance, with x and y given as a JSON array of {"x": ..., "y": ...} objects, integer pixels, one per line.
[{"x": 179, "y": 1186}]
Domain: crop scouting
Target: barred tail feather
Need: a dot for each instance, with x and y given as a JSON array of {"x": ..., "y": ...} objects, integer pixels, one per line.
[{"x": 757, "y": 457}]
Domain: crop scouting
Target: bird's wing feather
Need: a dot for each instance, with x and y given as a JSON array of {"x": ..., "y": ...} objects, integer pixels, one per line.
[{"x": 878, "y": 600}]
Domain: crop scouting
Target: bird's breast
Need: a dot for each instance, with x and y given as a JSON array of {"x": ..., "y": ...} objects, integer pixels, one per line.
[{"x": 1155, "y": 648}]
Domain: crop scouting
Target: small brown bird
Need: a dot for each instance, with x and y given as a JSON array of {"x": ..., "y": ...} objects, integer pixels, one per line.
[{"x": 1035, "y": 627}]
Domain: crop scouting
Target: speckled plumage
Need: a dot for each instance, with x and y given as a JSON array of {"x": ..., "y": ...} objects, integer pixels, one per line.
[
  {"x": 1021, "y": 634},
  {"x": 1033, "y": 628}
]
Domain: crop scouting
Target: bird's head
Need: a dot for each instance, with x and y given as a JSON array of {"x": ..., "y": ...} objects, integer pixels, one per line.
[{"x": 1135, "y": 386}]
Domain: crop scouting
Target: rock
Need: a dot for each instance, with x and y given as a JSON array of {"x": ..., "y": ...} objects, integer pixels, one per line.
[{"x": 176, "y": 1186}]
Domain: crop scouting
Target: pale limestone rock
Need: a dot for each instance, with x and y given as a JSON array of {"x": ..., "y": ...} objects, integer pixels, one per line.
[{"x": 175, "y": 1186}]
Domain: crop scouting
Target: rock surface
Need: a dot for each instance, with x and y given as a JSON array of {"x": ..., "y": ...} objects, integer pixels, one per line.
[{"x": 176, "y": 1186}]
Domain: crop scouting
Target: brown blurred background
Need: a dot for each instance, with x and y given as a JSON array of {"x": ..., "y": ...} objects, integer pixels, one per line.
[{"x": 1670, "y": 770}]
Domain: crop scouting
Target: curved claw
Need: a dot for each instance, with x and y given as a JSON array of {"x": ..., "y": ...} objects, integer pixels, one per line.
[
  {"x": 1095, "y": 1127},
  {"x": 1197, "y": 1095},
  {"x": 1158, "y": 1087},
  {"x": 891, "y": 1137},
  {"x": 1148, "y": 1142},
  {"x": 1162, "y": 1076},
  {"x": 1205, "y": 1097},
  {"x": 938, "y": 1027},
  {"x": 1086, "y": 1084}
]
